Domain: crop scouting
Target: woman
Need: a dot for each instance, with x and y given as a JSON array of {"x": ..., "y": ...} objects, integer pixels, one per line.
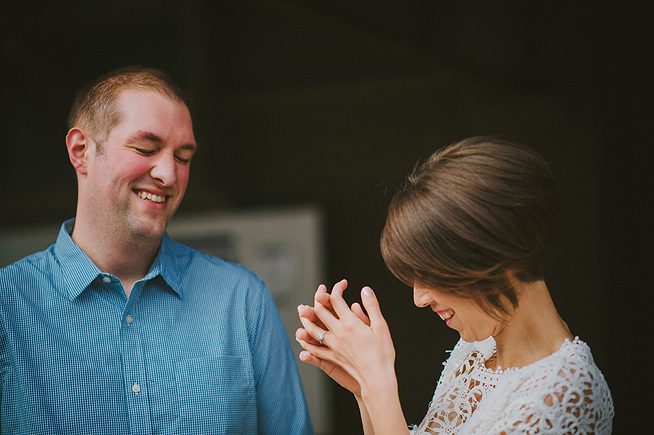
[{"x": 468, "y": 232}]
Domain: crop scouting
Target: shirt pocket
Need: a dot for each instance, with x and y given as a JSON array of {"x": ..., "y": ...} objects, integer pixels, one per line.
[{"x": 216, "y": 395}]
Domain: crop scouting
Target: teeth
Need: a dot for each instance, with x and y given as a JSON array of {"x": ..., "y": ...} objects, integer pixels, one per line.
[
  {"x": 151, "y": 197},
  {"x": 446, "y": 315}
]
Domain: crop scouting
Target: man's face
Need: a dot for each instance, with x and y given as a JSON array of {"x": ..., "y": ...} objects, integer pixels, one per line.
[{"x": 138, "y": 177}]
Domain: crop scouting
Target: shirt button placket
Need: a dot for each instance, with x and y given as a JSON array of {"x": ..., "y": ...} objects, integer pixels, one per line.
[{"x": 134, "y": 367}]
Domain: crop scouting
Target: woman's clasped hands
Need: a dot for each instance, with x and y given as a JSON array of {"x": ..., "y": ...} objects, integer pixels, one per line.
[{"x": 351, "y": 347}]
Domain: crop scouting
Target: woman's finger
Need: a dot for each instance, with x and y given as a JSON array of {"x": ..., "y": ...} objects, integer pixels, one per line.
[
  {"x": 371, "y": 304},
  {"x": 308, "y": 312},
  {"x": 317, "y": 333},
  {"x": 358, "y": 311},
  {"x": 323, "y": 364},
  {"x": 302, "y": 334},
  {"x": 326, "y": 316},
  {"x": 321, "y": 295},
  {"x": 309, "y": 358},
  {"x": 336, "y": 297},
  {"x": 322, "y": 298},
  {"x": 320, "y": 352}
]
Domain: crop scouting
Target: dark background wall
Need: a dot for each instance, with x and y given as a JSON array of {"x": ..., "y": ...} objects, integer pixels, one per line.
[{"x": 331, "y": 103}]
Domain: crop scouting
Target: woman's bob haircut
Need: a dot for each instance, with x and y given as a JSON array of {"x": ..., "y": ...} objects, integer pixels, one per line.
[{"x": 470, "y": 216}]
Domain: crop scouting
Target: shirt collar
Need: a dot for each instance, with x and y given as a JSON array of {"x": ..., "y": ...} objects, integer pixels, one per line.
[
  {"x": 77, "y": 271},
  {"x": 165, "y": 264}
]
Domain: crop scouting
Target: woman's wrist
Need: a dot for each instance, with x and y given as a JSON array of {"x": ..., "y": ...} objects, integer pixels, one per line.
[
  {"x": 383, "y": 385},
  {"x": 382, "y": 403},
  {"x": 365, "y": 417}
]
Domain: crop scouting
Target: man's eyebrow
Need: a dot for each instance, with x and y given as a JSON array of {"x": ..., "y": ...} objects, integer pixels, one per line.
[
  {"x": 189, "y": 146},
  {"x": 145, "y": 136},
  {"x": 148, "y": 136}
]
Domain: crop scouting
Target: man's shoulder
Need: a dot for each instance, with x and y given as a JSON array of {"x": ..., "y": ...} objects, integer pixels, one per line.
[
  {"x": 202, "y": 262},
  {"x": 25, "y": 268},
  {"x": 20, "y": 279}
]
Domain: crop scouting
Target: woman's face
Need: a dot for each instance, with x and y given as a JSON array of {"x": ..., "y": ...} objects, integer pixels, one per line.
[{"x": 459, "y": 313}]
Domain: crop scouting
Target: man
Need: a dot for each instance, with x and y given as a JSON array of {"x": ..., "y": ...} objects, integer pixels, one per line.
[{"x": 116, "y": 328}]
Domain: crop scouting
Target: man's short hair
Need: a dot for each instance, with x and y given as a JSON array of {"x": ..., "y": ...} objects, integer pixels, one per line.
[{"x": 94, "y": 108}]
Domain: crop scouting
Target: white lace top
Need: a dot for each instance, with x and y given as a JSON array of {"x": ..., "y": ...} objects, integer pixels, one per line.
[{"x": 562, "y": 393}]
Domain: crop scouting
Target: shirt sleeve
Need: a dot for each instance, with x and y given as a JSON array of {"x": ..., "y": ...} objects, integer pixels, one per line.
[
  {"x": 281, "y": 407},
  {"x": 3, "y": 363}
]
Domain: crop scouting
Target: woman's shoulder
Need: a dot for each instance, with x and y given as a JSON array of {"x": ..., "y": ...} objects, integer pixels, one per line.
[
  {"x": 566, "y": 386},
  {"x": 572, "y": 362},
  {"x": 572, "y": 366}
]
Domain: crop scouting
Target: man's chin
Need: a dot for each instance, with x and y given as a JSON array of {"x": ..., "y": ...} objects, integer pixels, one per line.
[{"x": 150, "y": 230}]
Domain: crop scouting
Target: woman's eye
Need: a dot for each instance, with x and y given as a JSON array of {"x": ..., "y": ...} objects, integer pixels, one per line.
[{"x": 182, "y": 160}]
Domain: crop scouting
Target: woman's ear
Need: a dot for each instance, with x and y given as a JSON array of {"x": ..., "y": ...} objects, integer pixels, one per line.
[{"x": 78, "y": 145}]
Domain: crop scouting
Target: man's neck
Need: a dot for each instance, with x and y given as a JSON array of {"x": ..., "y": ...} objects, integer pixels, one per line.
[{"x": 127, "y": 258}]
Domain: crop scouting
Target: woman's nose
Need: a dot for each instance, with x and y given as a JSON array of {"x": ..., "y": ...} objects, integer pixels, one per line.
[{"x": 421, "y": 297}]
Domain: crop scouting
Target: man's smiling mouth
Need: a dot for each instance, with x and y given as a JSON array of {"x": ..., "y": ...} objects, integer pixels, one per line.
[{"x": 152, "y": 197}]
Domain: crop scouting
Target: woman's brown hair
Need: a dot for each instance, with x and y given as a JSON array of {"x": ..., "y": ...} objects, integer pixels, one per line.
[{"x": 470, "y": 213}]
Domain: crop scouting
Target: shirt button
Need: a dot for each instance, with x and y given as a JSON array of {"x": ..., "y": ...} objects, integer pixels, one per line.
[
  {"x": 129, "y": 319},
  {"x": 136, "y": 388},
  {"x": 106, "y": 279}
]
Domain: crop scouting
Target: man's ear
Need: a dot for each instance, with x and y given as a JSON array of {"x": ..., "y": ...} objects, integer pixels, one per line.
[{"x": 78, "y": 144}]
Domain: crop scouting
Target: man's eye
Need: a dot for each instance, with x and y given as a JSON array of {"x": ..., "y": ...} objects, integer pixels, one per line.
[
  {"x": 182, "y": 159},
  {"x": 144, "y": 151}
]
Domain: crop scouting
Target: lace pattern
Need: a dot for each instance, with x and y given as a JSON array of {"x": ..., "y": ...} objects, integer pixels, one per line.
[{"x": 562, "y": 393}]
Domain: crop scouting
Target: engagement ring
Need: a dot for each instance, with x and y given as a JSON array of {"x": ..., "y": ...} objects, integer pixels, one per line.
[{"x": 321, "y": 337}]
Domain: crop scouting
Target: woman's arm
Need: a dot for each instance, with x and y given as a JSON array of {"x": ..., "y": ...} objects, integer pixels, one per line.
[
  {"x": 333, "y": 371},
  {"x": 364, "y": 352},
  {"x": 365, "y": 418},
  {"x": 342, "y": 378}
]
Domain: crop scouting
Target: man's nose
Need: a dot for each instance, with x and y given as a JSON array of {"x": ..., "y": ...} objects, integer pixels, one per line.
[{"x": 165, "y": 169}]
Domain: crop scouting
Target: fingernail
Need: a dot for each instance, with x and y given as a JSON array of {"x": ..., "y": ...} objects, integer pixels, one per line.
[{"x": 367, "y": 291}]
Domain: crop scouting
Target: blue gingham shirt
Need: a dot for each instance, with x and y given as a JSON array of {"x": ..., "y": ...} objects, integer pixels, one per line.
[{"x": 198, "y": 348}]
